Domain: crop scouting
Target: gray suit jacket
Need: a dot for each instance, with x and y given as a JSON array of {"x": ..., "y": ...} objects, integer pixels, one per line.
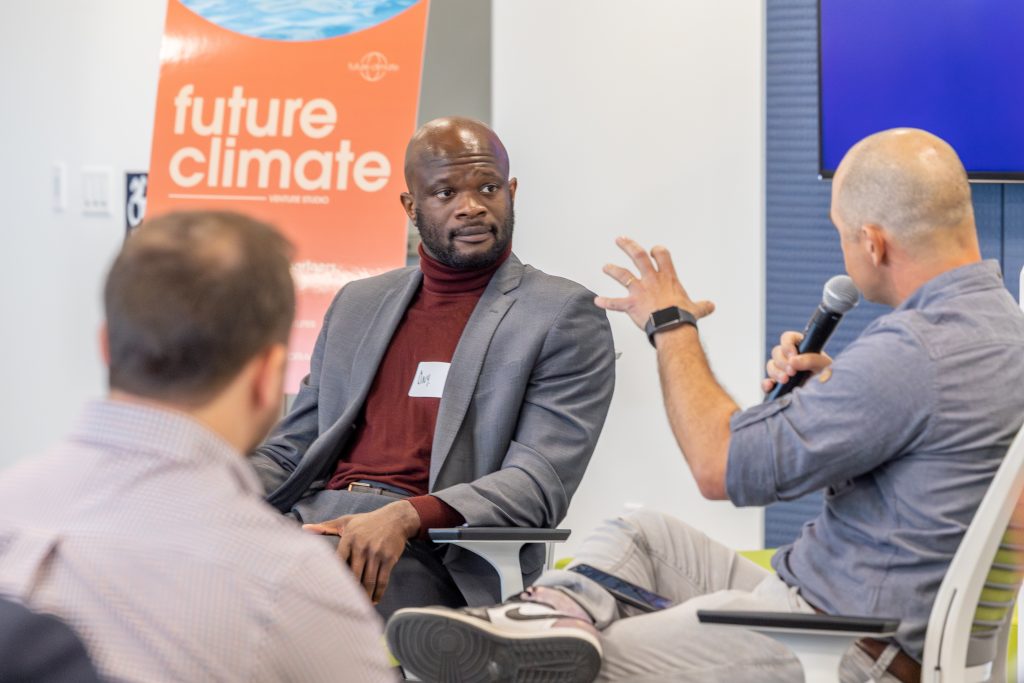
[{"x": 525, "y": 399}]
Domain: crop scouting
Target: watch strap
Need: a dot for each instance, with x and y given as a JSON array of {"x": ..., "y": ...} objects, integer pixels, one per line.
[{"x": 667, "y": 319}]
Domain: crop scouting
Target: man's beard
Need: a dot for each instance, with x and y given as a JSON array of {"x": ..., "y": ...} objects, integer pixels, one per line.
[{"x": 443, "y": 248}]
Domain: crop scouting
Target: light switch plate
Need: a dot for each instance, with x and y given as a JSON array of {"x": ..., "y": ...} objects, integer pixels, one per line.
[{"x": 97, "y": 187}]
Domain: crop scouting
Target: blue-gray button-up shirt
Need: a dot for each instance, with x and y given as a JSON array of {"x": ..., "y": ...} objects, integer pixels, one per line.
[{"x": 905, "y": 437}]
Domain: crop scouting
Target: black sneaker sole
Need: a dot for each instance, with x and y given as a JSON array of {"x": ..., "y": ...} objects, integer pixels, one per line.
[{"x": 442, "y": 647}]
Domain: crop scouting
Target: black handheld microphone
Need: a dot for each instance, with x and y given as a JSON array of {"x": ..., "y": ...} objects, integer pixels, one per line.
[{"x": 840, "y": 296}]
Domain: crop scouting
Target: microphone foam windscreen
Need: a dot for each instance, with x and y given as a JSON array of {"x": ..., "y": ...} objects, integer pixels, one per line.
[{"x": 840, "y": 294}]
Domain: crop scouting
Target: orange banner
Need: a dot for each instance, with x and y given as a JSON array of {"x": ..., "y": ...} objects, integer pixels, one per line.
[{"x": 308, "y": 134}]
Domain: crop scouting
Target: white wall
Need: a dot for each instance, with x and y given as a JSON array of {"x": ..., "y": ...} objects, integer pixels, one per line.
[
  {"x": 638, "y": 118},
  {"x": 644, "y": 119},
  {"x": 79, "y": 86}
]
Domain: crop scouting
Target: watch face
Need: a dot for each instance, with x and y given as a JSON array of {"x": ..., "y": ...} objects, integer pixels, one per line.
[{"x": 665, "y": 315}]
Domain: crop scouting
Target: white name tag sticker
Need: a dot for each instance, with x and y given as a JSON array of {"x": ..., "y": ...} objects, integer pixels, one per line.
[{"x": 429, "y": 380}]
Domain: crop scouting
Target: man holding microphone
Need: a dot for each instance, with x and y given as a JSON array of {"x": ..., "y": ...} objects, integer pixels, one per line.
[{"x": 904, "y": 431}]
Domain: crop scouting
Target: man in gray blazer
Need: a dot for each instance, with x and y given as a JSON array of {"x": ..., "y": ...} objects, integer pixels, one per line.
[{"x": 471, "y": 389}]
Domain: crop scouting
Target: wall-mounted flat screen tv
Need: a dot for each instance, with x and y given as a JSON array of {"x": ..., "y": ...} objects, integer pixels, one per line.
[{"x": 953, "y": 67}]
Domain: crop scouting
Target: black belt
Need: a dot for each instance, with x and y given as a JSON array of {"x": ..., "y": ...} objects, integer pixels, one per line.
[
  {"x": 361, "y": 487},
  {"x": 903, "y": 666}
]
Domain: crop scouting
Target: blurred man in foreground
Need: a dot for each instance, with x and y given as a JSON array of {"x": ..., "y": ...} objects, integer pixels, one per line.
[
  {"x": 144, "y": 529},
  {"x": 905, "y": 433}
]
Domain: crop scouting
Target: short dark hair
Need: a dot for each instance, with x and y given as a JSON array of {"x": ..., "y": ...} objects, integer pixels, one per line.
[{"x": 191, "y": 298}]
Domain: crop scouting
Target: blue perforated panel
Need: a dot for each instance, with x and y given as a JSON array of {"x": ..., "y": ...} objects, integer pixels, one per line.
[
  {"x": 1013, "y": 236},
  {"x": 801, "y": 247}
]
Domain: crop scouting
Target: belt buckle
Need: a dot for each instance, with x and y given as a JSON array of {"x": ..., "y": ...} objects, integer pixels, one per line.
[{"x": 361, "y": 485}]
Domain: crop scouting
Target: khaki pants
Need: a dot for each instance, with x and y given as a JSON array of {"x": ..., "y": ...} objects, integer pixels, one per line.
[{"x": 671, "y": 558}]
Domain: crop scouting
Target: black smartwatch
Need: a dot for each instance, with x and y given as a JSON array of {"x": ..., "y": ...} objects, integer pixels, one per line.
[{"x": 666, "y": 319}]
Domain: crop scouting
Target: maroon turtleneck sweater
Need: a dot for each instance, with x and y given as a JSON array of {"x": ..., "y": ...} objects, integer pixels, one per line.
[{"x": 393, "y": 439}]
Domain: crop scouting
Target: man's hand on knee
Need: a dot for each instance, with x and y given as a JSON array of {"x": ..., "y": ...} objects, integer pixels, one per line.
[{"x": 372, "y": 542}]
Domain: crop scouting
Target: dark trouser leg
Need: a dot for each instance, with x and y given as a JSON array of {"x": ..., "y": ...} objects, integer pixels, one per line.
[{"x": 420, "y": 579}]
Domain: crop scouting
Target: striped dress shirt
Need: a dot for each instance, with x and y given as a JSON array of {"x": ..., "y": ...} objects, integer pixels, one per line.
[{"x": 147, "y": 534}]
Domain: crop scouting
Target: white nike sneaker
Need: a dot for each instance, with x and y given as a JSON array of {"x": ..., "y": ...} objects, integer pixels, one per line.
[{"x": 525, "y": 642}]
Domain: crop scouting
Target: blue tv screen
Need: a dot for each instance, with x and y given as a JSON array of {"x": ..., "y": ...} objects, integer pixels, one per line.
[{"x": 952, "y": 67}]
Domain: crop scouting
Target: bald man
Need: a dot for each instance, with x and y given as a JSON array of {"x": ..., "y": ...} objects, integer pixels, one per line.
[
  {"x": 904, "y": 431},
  {"x": 468, "y": 390}
]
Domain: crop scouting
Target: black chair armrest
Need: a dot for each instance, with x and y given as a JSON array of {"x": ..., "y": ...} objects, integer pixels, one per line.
[
  {"x": 806, "y": 623},
  {"x": 498, "y": 533}
]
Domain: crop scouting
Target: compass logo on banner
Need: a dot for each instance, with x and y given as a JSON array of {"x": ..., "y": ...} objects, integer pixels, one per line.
[{"x": 373, "y": 66}]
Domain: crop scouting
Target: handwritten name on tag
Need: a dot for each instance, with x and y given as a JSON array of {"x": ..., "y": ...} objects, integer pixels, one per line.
[{"x": 429, "y": 380}]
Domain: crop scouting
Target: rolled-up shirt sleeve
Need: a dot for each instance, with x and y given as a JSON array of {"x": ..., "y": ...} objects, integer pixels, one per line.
[{"x": 875, "y": 404}]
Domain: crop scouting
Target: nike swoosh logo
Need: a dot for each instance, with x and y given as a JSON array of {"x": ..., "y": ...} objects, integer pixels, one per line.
[{"x": 516, "y": 614}]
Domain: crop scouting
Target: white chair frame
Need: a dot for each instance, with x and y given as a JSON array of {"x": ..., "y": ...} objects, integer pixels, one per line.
[
  {"x": 1020, "y": 596},
  {"x": 500, "y": 547}
]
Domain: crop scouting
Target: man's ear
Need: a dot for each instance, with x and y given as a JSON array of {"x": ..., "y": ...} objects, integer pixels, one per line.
[
  {"x": 875, "y": 242},
  {"x": 104, "y": 339},
  {"x": 268, "y": 378},
  {"x": 409, "y": 204},
  {"x": 512, "y": 185}
]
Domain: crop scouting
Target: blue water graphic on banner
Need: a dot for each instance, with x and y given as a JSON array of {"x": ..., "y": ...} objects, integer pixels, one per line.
[{"x": 297, "y": 19}]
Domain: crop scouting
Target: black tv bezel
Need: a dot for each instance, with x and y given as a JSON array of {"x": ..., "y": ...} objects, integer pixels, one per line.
[{"x": 827, "y": 174}]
